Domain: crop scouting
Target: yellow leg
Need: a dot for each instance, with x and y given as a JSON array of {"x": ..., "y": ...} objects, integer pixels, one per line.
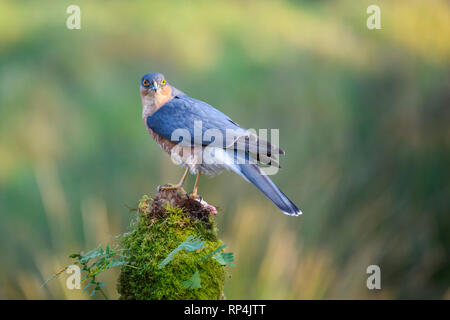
[
  {"x": 194, "y": 192},
  {"x": 183, "y": 178},
  {"x": 177, "y": 186}
]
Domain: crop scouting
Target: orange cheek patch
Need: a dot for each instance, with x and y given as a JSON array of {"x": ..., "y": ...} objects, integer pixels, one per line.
[
  {"x": 163, "y": 96},
  {"x": 166, "y": 90},
  {"x": 153, "y": 101}
]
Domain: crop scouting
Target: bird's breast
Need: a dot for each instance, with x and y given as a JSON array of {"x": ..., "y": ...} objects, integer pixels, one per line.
[
  {"x": 165, "y": 144},
  {"x": 151, "y": 103}
]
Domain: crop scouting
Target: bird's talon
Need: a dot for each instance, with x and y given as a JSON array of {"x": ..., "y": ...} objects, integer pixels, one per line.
[
  {"x": 195, "y": 197},
  {"x": 166, "y": 187}
]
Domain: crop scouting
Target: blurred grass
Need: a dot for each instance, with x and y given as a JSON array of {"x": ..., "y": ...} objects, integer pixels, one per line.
[{"x": 362, "y": 114}]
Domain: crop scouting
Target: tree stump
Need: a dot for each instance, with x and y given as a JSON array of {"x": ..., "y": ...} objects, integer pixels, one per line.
[{"x": 161, "y": 225}]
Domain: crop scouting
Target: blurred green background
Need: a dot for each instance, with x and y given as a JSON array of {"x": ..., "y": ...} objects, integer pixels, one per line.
[{"x": 363, "y": 115}]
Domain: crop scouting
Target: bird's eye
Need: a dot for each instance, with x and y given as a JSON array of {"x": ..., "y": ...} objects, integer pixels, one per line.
[
  {"x": 163, "y": 82},
  {"x": 145, "y": 83}
]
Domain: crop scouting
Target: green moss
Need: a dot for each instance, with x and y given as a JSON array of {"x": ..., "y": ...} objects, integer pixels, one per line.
[{"x": 160, "y": 227}]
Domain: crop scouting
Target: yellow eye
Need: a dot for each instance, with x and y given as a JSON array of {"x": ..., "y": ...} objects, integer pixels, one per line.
[
  {"x": 163, "y": 82},
  {"x": 145, "y": 83}
]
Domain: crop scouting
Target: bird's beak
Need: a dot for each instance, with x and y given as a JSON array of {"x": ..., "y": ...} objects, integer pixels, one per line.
[{"x": 154, "y": 85}]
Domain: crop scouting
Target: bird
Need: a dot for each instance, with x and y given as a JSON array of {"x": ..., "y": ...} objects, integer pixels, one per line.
[{"x": 167, "y": 110}]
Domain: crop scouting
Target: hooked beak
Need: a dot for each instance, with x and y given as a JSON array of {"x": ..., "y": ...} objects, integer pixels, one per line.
[{"x": 154, "y": 85}]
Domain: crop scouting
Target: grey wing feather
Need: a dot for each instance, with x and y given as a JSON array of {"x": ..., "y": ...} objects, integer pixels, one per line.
[{"x": 181, "y": 113}]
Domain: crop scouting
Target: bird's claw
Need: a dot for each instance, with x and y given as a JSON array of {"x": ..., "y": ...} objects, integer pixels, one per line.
[
  {"x": 166, "y": 187},
  {"x": 195, "y": 197}
]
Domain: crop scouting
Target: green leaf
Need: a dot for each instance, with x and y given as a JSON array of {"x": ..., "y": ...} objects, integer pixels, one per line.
[
  {"x": 52, "y": 277},
  {"x": 117, "y": 263},
  {"x": 190, "y": 244},
  {"x": 88, "y": 285},
  {"x": 212, "y": 253},
  {"x": 194, "y": 281},
  {"x": 95, "y": 262},
  {"x": 225, "y": 258}
]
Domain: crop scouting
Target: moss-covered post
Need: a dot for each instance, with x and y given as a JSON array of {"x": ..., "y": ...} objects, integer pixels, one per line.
[{"x": 158, "y": 267}]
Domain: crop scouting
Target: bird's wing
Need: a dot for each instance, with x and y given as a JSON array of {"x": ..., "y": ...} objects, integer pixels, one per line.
[
  {"x": 183, "y": 112},
  {"x": 196, "y": 117}
]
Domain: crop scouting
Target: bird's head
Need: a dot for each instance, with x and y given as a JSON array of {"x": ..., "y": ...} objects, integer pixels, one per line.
[{"x": 152, "y": 84}]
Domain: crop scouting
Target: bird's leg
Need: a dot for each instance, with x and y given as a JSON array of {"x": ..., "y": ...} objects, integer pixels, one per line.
[
  {"x": 194, "y": 195},
  {"x": 178, "y": 186}
]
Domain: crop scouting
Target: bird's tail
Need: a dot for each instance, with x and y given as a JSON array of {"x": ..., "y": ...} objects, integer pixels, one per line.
[{"x": 253, "y": 174}]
